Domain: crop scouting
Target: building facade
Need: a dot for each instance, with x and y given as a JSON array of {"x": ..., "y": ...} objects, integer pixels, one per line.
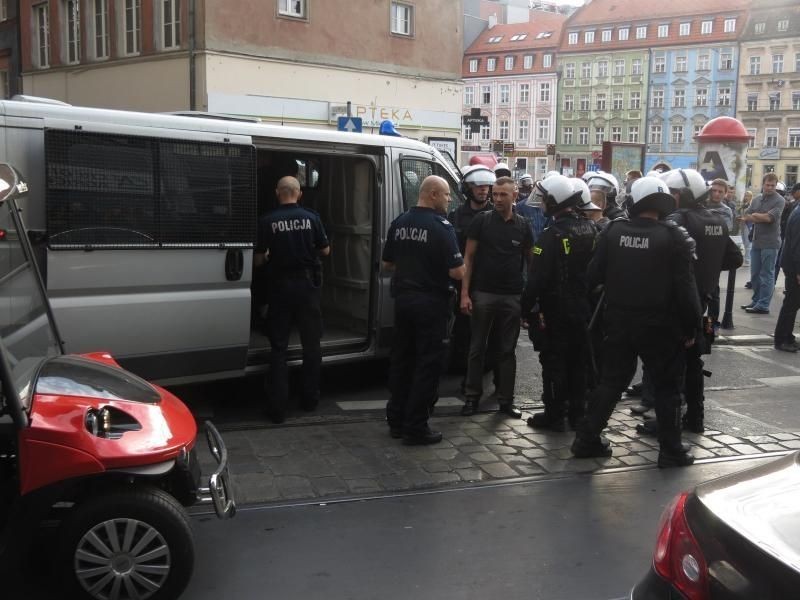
[
  {"x": 510, "y": 77},
  {"x": 283, "y": 61},
  {"x": 769, "y": 91},
  {"x": 9, "y": 49}
]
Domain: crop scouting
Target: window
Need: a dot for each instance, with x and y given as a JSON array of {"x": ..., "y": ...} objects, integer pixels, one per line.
[
  {"x": 659, "y": 64},
  {"x": 685, "y": 29},
  {"x": 605, "y": 35},
  {"x": 496, "y": 39},
  {"x": 771, "y": 137},
  {"x": 583, "y": 136},
  {"x": 617, "y": 101},
  {"x": 584, "y": 102},
  {"x": 586, "y": 70},
  {"x": 633, "y": 134},
  {"x": 4, "y": 12},
  {"x": 701, "y": 97},
  {"x": 544, "y": 92},
  {"x": 641, "y": 32},
  {"x": 486, "y": 94},
  {"x": 509, "y": 63},
  {"x": 679, "y": 98},
  {"x": 706, "y": 27},
  {"x": 473, "y": 65},
  {"x": 794, "y": 137},
  {"x": 703, "y": 62},
  {"x": 759, "y": 27},
  {"x": 729, "y": 26},
  {"x": 566, "y": 136},
  {"x": 797, "y": 62},
  {"x": 543, "y": 35},
  {"x": 663, "y": 31},
  {"x": 658, "y": 99},
  {"x": 171, "y": 15},
  {"x": 755, "y": 65},
  {"x": 505, "y": 93},
  {"x": 724, "y": 96},
  {"x": 522, "y": 129},
  {"x": 467, "y": 133},
  {"x": 677, "y": 134},
  {"x": 775, "y": 101},
  {"x": 524, "y": 92},
  {"x": 485, "y": 133},
  {"x": 133, "y": 26},
  {"x": 599, "y": 135},
  {"x": 600, "y": 102},
  {"x": 680, "y": 64},
  {"x": 655, "y": 134},
  {"x": 783, "y": 25},
  {"x": 572, "y": 38},
  {"x": 588, "y": 37},
  {"x": 752, "y": 101},
  {"x": 636, "y": 66},
  {"x": 622, "y": 34},
  {"x": 795, "y": 100},
  {"x": 101, "y": 40},
  {"x": 569, "y": 102},
  {"x": 491, "y": 64},
  {"x": 502, "y": 129},
  {"x": 518, "y": 37},
  {"x": 295, "y": 8},
  {"x": 4, "y": 90},
  {"x": 636, "y": 100},
  {"x": 619, "y": 68},
  {"x": 791, "y": 176},
  {"x": 543, "y": 130},
  {"x": 569, "y": 71},
  {"x": 547, "y": 60},
  {"x": 402, "y": 18},
  {"x": 752, "y": 142},
  {"x": 726, "y": 60},
  {"x": 73, "y": 37},
  {"x": 777, "y": 63},
  {"x": 602, "y": 68},
  {"x": 616, "y": 134},
  {"x": 469, "y": 95},
  {"x": 42, "y": 15},
  {"x": 527, "y": 61}
]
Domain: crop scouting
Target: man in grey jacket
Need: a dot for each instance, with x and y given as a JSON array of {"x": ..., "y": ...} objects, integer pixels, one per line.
[{"x": 765, "y": 214}]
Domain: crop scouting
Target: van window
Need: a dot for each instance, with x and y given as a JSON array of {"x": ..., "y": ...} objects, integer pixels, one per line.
[
  {"x": 413, "y": 171},
  {"x": 114, "y": 191}
]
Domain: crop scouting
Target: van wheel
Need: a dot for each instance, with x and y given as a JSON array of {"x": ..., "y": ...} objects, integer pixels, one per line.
[{"x": 130, "y": 543}]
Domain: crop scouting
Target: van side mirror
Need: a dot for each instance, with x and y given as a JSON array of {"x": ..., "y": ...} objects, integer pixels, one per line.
[{"x": 10, "y": 182}]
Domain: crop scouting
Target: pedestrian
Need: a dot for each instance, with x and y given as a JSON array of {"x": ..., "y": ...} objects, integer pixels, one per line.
[
  {"x": 790, "y": 262},
  {"x": 765, "y": 214},
  {"x": 422, "y": 252},
  {"x": 498, "y": 246},
  {"x": 557, "y": 288},
  {"x": 716, "y": 201},
  {"x": 746, "y": 228},
  {"x": 791, "y": 203},
  {"x": 651, "y": 311},
  {"x": 291, "y": 240},
  {"x": 730, "y": 202}
]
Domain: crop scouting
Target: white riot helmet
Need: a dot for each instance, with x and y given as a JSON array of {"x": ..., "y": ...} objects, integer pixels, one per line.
[
  {"x": 606, "y": 182},
  {"x": 651, "y": 193},
  {"x": 678, "y": 180},
  {"x": 579, "y": 185},
  {"x": 502, "y": 170},
  {"x": 557, "y": 193},
  {"x": 526, "y": 179},
  {"x": 780, "y": 187},
  {"x": 550, "y": 174},
  {"x": 479, "y": 175}
]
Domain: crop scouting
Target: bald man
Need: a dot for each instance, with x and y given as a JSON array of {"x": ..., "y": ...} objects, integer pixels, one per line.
[{"x": 291, "y": 240}]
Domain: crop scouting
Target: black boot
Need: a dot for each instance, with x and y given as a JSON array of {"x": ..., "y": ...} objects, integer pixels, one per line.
[
  {"x": 544, "y": 421},
  {"x": 674, "y": 457},
  {"x": 693, "y": 423},
  {"x": 470, "y": 406},
  {"x": 590, "y": 448}
]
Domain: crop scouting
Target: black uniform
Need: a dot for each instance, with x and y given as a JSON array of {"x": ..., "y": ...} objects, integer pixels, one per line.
[
  {"x": 422, "y": 245},
  {"x": 652, "y": 306},
  {"x": 293, "y": 235},
  {"x": 557, "y": 282},
  {"x": 711, "y": 237}
]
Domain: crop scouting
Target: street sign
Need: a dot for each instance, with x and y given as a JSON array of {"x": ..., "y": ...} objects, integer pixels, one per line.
[
  {"x": 351, "y": 124},
  {"x": 508, "y": 147},
  {"x": 593, "y": 167},
  {"x": 475, "y": 120}
]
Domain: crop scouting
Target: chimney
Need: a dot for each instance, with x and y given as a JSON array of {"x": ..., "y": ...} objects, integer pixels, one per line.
[{"x": 492, "y": 20}]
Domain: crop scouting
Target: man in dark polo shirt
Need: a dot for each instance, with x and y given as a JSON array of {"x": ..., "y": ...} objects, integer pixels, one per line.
[{"x": 498, "y": 246}]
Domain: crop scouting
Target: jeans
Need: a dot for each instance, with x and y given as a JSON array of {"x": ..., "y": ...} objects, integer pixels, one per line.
[
  {"x": 784, "y": 328},
  {"x": 762, "y": 276}
]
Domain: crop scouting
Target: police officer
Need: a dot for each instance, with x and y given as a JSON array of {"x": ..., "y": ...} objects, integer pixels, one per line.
[
  {"x": 422, "y": 250},
  {"x": 652, "y": 310},
  {"x": 557, "y": 284},
  {"x": 291, "y": 239},
  {"x": 607, "y": 183}
]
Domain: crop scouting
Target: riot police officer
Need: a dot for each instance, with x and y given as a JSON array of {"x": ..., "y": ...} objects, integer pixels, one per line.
[
  {"x": 607, "y": 183},
  {"x": 557, "y": 284},
  {"x": 291, "y": 239},
  {"x": 652, "y": 310},
  {"x": 422, "y": 250}
]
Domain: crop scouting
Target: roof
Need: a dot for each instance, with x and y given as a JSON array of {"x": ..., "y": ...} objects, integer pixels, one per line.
[
  {"x": 616, "y": 12},
  {"x": 542, "y": 23}
]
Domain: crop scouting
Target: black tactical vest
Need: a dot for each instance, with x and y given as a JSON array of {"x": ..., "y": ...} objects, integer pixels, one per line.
[
  {"x": 576, "y": 241},
  {"x": 710, "y": 234}
]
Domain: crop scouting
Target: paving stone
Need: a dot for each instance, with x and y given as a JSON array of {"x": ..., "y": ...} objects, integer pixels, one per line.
[
  {"x": 328, "y": 486},
  {"x": 529, "y": 469},
  {"x": 293, "y": 487},
  {"x": 499, "y": 470},
  {"x": 501, "y": 450},
  {"x": 487, "y": 440},
  {"x": 725, "y": 451},
  {"x": 508, "y": 435},
  {"x": 436, "y": 466},
  {"x": 784, "y": 436},
  {"x": 616, "y": 438},
  {"x": 542, "y": 438},
  {"x": 255, "y": 487},
  {"x": 483, "y": 457},
  {"x": 727, "y": 439},
  {"x": 445, "y": 477},
  {"x": 745, "y": 449},
  {"x": 472, "y": 474},
  {"x": 393, "y": 482},
  {"x": 636, "y": 446},
  {"x": 461, "y": 441},
  {"x": 791, "y": 444},
  {"x": 634, "y": 459},
  {"x": 557, "y": 465},
  {"x": 701, "y": 440},
  {"x": 534, "y": 453},
  {"x": 652, "y": 455},
  {"x": 712, "y": 432},
  {"x": 446, "y": 453},
  {"x": 771, "y": 447},
  {"x": 304, "y": 466},
  {"x": 473, "y": 449},
  {"x": 702, "y": 453},
  {"x": 519, "y": 443},
  {"x": 363, "y": 486},
  {"x": 461, "y": 461},
  {"x": 417, "y": 477},
  {"x": 760, "y": 439},
  {"x": 562, "y": 453},
  {"x": 557, "y": 445}
]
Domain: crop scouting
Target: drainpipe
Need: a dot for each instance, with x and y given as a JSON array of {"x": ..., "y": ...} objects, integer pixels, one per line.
[{"x": 192, "y": 74}]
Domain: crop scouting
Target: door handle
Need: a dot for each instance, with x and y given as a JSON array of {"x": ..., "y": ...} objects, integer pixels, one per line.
[{"x": 234, "y": 264}]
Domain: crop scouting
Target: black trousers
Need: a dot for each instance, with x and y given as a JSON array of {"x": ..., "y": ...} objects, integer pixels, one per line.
[
  {"x": 294, "y": 302},
  {"x": 564, "y": 370},
  {"x": 663, "y": 356},
  {"x": 784, "y": 327},
  {"x": 420, "y": 331}
]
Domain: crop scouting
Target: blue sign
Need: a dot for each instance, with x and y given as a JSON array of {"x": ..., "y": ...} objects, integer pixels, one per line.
[
  {"x": 351, "y": 124},
  {"x": 593, "y": 167}
]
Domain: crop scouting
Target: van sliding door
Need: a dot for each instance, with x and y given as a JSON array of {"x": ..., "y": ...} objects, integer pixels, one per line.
[{"x": 150, "y": 249}]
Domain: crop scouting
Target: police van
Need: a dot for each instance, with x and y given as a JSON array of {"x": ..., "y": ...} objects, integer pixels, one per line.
[{"x": 144, "y": 227}]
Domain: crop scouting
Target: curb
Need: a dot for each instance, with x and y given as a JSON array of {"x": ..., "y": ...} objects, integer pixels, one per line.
[{"x": 744, "y": 340}]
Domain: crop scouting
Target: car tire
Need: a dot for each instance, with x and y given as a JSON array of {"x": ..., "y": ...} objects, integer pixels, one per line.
[{"x": 138, "y": 537}]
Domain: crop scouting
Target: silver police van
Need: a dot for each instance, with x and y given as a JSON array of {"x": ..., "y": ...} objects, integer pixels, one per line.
[{"x": 144, "y": 227}]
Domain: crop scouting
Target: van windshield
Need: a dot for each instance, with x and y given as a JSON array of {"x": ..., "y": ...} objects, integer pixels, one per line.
[{"x": 27, "y": 334}]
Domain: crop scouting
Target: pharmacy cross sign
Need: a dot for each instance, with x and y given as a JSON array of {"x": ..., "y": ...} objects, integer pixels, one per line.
[{"x": 475, "y": 120}]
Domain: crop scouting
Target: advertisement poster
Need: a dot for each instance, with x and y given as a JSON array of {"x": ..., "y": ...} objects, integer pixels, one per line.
[
  {"x": 724, "y": 160},
  {"x": 621, "y": 157}
]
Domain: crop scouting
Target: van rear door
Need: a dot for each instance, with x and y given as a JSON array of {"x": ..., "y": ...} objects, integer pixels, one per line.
[{"x": 150, "y": 243}]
